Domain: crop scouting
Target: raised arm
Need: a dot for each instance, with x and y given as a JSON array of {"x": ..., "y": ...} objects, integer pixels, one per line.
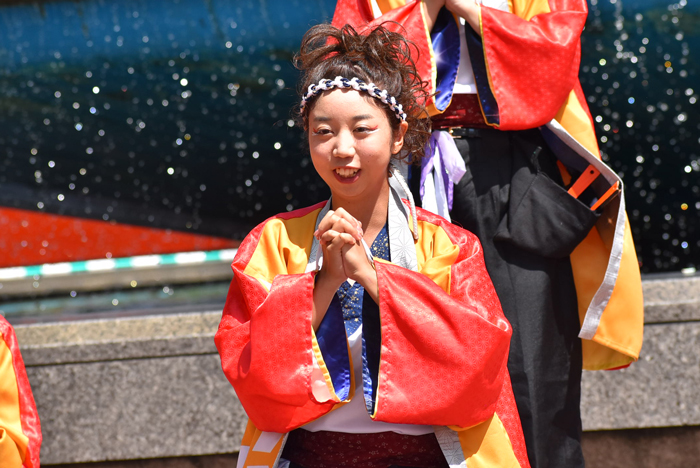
[
  {"x": 444, "y": 339},
  {"x": 431, "y": 9},
  {"x": 269, "y": 351},
  {"x": 525, "y": 61}
]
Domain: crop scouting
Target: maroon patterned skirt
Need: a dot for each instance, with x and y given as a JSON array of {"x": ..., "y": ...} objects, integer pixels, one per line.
[{"x": 325, "y": 449}]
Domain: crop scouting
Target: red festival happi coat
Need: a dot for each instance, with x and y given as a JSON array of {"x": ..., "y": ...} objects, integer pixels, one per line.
[
  {"x": 20, "y": 431},
  {"x": 444, "y": 344},
  {"x": 525, "y": 62}
]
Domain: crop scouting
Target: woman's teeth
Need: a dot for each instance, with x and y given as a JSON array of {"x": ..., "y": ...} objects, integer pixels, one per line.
[{"x": 344, "y": 172}]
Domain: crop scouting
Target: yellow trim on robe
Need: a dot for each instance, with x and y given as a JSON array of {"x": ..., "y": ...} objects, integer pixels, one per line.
[
  {"x": 295, "y": 239},
  {"x": 488, "y": 74},
  {"x": 526, "y": 10},
  {"x": 258, "y": 458},
  {"x": 13, "y": 442},
  {"x": 9, "y": 454},
  {"x": 487, "y": 445},
  {"x": 626, "y": 297},
  {"x": 575, "y": 120},
  {"x": 388, "y": 5},
  {"x": 327, "y": 375},
  {"x": 434, "y": 238}
]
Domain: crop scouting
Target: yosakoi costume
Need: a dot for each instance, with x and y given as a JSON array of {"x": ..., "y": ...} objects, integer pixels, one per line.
[
  {"x": 549, "y": 213},
  {"x": 433, "y": 352},
  {"x": 20, "y": 431}
]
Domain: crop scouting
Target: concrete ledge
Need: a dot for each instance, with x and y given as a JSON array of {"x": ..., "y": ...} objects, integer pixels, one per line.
[
  {"x": 661, "y": 389},
  {"x": 130, "y": 388},
  {"x": 141, "y": 408},
  {"x": 642, "y": 448},
  {"x": 152, "y": 387},
  {"x": 119, "y": 338},
  {"x": 671, "y": 299},
  {"x": 206, "y": 461}
]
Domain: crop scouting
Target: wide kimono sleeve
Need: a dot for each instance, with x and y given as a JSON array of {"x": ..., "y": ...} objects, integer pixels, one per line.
[
  {"x": 525, "y": 58},
  {"x": 526, "y": 62},
  {"x": 20, "y": 430},
  {"x": 265, "y": 338},
  {"x": 444, "y": 338}
]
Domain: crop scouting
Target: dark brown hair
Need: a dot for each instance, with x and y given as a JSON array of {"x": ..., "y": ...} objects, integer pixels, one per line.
[{"x": 381, "y": 57}]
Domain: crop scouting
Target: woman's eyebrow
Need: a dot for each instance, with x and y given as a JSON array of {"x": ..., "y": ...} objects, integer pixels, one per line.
[{"x": 323, "y": 118}]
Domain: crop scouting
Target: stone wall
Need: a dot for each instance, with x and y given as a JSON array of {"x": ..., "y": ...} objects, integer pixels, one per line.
[{"x": 135, "y": 388}]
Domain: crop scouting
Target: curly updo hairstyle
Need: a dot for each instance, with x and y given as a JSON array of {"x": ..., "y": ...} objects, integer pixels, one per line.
[{"x": 382, "y": 57}]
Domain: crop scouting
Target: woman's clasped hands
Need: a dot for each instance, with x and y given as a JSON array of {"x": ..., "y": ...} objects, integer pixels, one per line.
[{"x": 344, "y": 257}]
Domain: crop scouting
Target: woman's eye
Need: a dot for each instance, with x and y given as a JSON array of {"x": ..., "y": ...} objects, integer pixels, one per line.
[
  {"x": 364, "y": 129},
  {"x": 322, "y": 131}
]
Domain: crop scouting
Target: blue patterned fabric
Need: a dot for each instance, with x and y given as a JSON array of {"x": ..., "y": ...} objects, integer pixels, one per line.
[
  {"x": 446, "y": 46},
  {"x": 351, "y": 296},
  {"x": 343, "y": 318},
  {"x": 354, "y": 304},
  {"x": 331, "y": 341}
]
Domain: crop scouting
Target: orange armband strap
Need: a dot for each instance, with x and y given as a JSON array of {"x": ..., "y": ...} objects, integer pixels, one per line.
[
  {"x": 613, "y": 188},
  {"x": 582, "y": 183},
  {"x": 585, "y": 180}
]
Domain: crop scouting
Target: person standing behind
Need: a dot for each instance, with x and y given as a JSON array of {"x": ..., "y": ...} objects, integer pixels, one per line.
[
  {"x": 20, "y": 431},
  {"x": 549, "y": 214}
]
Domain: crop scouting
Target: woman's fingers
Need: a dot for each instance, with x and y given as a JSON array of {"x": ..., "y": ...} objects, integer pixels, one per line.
[
  {"x": 332, "y": 243},
  {"x": 353, "y": 222},
  {"x": 354, "y": 259},
  {"x": 335, "y": 240},
  {"x": 340, "y": 221},
  {"x": 332, "y": 257}
]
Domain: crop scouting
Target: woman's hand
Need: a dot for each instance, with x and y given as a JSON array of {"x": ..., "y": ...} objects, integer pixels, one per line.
[
  {"x": 337, "y": 231},
  {"x": 340, "y": 235}
]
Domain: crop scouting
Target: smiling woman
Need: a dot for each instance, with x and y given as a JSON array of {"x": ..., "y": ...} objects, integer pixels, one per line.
[
  {"x": 360, "y": 331},
  {"x": 351, "y": 142}
]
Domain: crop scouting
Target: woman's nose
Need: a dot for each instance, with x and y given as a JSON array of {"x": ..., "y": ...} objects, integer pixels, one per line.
[{"x": 345, "y": 145}]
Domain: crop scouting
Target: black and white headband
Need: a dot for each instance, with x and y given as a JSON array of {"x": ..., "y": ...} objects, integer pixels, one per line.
[{"x": 358, "y": 85}]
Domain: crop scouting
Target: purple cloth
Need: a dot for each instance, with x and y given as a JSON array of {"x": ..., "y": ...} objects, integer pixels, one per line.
[{"x": 452, "y": 164}]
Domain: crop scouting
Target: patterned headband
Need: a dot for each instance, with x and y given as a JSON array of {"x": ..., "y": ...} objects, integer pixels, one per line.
[{"x": 358, "y": 85}]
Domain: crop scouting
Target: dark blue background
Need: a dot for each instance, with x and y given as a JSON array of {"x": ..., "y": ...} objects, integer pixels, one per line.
[{"x": 216, "y": 154}]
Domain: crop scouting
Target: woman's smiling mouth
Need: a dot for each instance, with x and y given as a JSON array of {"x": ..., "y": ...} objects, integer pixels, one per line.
[{"x": 346, "y": 174}]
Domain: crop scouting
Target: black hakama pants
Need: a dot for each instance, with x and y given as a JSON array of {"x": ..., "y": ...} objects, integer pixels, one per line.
[{"x": 506, "y": 199}]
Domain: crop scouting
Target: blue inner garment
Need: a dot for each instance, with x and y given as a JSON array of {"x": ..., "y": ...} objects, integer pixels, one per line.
[{"x": 358, "y": 308}]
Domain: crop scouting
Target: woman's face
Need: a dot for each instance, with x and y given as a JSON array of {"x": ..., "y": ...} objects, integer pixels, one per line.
[{"x": 351, "y": 144}]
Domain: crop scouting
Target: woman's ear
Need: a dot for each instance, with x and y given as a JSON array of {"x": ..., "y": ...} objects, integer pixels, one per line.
[{"x": 398, "y": 138}]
